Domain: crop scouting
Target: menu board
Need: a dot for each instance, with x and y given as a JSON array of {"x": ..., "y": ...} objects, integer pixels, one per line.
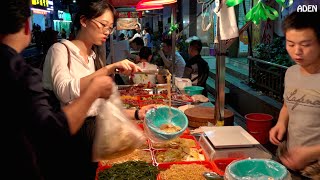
[{"x": 126, "y": 23}]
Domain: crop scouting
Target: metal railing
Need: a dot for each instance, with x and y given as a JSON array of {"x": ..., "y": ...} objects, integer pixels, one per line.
[{"x": 267, "y": 77}]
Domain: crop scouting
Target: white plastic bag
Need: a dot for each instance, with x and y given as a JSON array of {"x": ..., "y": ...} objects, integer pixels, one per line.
[{"x": 116, "y": 135}]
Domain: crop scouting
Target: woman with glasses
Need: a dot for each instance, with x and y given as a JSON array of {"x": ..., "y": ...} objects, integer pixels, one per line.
[{"x": 70, "y": 66}]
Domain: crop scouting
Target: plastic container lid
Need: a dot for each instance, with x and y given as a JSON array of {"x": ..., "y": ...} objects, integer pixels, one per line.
[
  {"x": 253, "y": 169},
  {"x": 192, "y": 90}
]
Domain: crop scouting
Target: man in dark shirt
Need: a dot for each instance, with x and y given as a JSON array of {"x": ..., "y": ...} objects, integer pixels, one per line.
[
  {"x": 197, "y": 69},
  {"x": 35, "y": 140}
]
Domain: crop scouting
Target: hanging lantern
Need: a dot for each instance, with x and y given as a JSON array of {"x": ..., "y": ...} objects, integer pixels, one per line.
[
  {"x": 157, "y": 2},
  {"x": 140, "y": 7}
]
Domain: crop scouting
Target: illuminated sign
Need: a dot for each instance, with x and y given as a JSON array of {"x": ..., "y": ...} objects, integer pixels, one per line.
[
  {"x": 130, "y": 14},
  {"x": 39, "y": 11},
  {"x": 64, "y": 15},
  {"x": 50, "y": 7},
  {"x": 126, "y": 23},
  {"x": 43, "y": 3}
]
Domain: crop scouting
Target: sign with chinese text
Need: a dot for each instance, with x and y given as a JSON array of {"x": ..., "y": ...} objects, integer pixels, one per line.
[
  {"x": 130, "y": 14},
  {"x": 42, "y": 3}
]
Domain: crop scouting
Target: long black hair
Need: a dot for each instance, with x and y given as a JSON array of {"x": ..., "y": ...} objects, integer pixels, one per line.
[{"x": 91, "y": 9}]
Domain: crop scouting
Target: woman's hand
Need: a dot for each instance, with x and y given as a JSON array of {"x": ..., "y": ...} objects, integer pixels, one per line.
[
  {"x": 125, "y": 67},
  {"x": 101, "y": 86}
]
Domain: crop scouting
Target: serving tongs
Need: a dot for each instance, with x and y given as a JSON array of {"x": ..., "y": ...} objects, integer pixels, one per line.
[
  {"x": 212, "y": 176},
  {"x": 163, "y": 72},
  {"x": 177, "y": 102}
]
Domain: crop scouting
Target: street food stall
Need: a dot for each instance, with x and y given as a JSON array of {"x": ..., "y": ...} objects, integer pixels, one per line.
[
  {"x": 200, "y": 151},
  {"x": 189, "y": 155}
]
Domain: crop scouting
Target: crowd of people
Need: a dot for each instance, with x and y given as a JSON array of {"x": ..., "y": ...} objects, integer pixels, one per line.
[
  {"x": 195, "y": 68},
  {"x": 43, "y": 140}
]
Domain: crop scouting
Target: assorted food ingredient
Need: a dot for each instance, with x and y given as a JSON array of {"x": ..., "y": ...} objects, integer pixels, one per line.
[
  {"x": 133, "y": 170},
  {"x": 136, "y": 155},
  {"x": 170, "y": 128},
  {"x": 152, "y": 97},
  {"x": 184, "y": 171},
  {"x": 176, "y": 143},
  {"x": 199, "y": 98},
  {"x": 180, "y": 154}
]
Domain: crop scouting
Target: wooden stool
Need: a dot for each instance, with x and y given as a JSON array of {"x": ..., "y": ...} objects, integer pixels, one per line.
[{"x": 201, "y": 115}]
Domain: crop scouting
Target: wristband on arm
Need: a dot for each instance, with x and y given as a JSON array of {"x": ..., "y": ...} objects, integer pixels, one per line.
[{"x": 136, "y": 114}]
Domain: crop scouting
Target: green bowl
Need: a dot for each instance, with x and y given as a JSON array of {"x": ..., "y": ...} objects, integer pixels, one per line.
[
  {"x": 256, "y": 169},
  {"x": 192, "y": 90},
  {"x": 156, "y": 117}
]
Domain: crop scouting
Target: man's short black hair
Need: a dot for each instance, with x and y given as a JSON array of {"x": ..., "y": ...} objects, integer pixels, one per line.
[
  {"x": 138, "y": 41},
  {"x": 302, "y": 20},
  {"x": 145, "y": 52},
  {"x": 14, "y": 14},
  {"x": 196, "y": 44}
]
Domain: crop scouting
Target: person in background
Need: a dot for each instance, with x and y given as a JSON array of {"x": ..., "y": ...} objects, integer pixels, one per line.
[
  {"x": 63, "y": 33},
  {"x": 121, "y": 37},
  {"x": 166, "y": 56},
  {"x": 135, "y": 45},
  {"x": 48, "y": 38},
  {"x": 121, "y": 49},
  {"x": 147, "y": 37},
  {"x": 36, "y": 141},
  {"x": 299, "y": 117},
  {"x": 138, "y": 32},
  {"x": 145, "y": 55},
  {"x": 71, "y": 34},
  {"x": 197, "y": 69},
  {"x": 94, "y": 22}
]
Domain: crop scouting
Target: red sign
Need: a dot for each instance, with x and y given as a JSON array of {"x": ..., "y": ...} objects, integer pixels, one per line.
[{"x": 130, "y": 14}]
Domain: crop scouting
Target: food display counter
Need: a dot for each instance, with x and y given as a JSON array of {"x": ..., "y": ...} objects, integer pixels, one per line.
[
  {"x": 185, "y": 157},
  {"x": 170, "y": 157}
]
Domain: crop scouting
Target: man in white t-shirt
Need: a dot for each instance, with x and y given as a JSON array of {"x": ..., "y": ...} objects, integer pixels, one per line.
[{"x": 137, "y": 34}]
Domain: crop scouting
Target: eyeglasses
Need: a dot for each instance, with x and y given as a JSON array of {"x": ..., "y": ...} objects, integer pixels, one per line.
[{"x": 105, "y": 28}]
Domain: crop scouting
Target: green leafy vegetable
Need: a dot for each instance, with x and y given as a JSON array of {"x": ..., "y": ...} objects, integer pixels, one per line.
[{"x": 130, "y": 170}]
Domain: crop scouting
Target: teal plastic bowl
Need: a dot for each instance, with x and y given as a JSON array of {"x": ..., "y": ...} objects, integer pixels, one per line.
[
  {"x": 156, "y": 117},
  {"x": 256, "y": 169},
  {"x": 192, "y": 90}
]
